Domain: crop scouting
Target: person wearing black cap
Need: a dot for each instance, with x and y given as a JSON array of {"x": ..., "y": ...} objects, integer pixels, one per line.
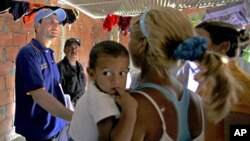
[
  {"x": 41, "y": 111},
  {"x": 72, "y": 77}
]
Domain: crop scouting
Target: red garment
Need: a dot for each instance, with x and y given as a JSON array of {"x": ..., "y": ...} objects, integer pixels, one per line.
[
  {"x": 28, "y": 18},
  {"x": 124, "y": 25},
  {"x": 110, "y": 21},
  {"x": 34, "y": 5}
]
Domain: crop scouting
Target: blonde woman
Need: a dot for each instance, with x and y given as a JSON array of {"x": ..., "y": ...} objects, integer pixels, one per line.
[{"x": 166, "y": 109}]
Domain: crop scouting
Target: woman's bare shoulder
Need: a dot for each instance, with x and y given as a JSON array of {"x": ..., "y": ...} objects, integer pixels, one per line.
[{"x": 148, "y": 122}]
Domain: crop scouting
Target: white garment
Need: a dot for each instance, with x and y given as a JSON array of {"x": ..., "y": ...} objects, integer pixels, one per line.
[
  {"x": 187, "y": 73},
  {"x": 135, "y": 75},
  {"x": 63, "y": 135},
  {"x": 67, "y": 99},
  {"x": 91, "y": 108}
]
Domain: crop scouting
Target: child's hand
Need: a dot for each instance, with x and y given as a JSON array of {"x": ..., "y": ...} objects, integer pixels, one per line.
[{"x": 125, "y": 100}]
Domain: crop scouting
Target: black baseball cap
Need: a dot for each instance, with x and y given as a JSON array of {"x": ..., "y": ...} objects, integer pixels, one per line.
[{"x": 72, "y": 40}]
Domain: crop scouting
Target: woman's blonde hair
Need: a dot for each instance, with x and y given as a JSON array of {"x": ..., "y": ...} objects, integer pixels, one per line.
[
  {"x": 223, "y": 85},
  {"x": 166, "y": 28}
]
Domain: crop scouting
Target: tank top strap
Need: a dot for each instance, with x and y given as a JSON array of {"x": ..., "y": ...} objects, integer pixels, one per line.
[
  {"x": 165, "y": 136},
  {"x": 181, "y": 108}
]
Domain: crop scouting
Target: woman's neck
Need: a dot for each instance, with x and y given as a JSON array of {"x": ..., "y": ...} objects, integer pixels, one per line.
[
  {"x": 165, "y": 79},
  {"x": 154, "y": 76}
]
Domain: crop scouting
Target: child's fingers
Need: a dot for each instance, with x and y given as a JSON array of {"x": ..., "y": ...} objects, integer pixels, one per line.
[
  {"x": 123, "y": 96},
  {"x": 120, "y": 93}
]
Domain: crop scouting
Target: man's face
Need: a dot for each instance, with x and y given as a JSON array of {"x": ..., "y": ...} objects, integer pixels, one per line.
[
  {"x": 49, "y": 27},
  {"x": 71, "y": 51}
]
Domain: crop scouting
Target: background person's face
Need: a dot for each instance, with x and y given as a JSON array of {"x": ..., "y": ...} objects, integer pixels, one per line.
[{"x": 71, "y": 51}]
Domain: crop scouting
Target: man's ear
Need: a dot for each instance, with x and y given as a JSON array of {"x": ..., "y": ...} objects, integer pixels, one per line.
[
  {"x": 91, "y": 73},
  {"x": 36, "y": 27}
]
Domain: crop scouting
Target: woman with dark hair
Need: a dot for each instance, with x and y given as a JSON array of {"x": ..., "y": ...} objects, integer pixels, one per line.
[
  {"x": 222, "y": 37},
  {"x": 232, "y": 108}
]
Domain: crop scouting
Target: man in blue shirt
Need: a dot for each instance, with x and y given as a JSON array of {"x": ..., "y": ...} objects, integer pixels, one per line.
[{"x": 40, "y": 105}]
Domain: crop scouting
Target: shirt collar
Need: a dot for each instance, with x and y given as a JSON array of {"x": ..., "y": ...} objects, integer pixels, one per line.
[{"x": 39, "y": 46}]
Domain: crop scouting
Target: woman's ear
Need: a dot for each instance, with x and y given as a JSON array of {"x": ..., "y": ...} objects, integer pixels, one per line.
[
  {"x": 91, "y": 73},
  {"x": 224, "y": 47}
]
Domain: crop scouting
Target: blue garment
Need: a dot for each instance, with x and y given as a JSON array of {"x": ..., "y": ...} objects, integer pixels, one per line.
[
  {"x": 35, "y": 69},
  {"x": 180, "y": 106}
]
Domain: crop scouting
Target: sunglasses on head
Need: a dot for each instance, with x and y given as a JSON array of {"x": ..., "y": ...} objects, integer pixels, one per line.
[{"x": 74, "y": 40}]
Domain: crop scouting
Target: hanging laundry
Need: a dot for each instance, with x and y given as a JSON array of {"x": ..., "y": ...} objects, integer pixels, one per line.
[
  {"x": 19, "y": 9},
  {"x": 124, "y": 24},
  {"x": 71, "y": 16},
  {"x": 33, "y": 7},
  {"x": 28, "y": 10},
  {"x": 110, "y": 21},
  {"x": 5, "y": 5}
]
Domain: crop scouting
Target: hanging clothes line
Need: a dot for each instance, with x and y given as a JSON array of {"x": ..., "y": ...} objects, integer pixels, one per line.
[
  {"x": 122, "y": 21},
  {"x": 27, "y": 11}
]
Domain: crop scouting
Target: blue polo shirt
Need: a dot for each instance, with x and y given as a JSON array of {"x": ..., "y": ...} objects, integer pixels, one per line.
[{"x": 35, "y": 69}]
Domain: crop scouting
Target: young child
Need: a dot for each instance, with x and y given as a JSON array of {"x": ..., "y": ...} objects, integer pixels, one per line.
[{"x": 96, "y": 114}]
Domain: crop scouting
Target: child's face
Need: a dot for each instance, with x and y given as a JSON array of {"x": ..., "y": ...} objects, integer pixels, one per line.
[{"x": 110, "y": 73}]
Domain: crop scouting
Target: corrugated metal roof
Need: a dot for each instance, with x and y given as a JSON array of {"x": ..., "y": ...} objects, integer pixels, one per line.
[{"x": 100, "y": 8}]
